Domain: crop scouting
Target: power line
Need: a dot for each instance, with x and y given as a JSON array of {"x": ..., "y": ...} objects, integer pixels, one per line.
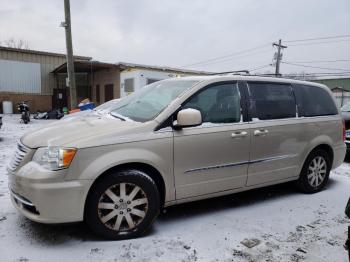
[
  {"x": 318, "y": 38},
  {"x": 230, "y": 56},
  {"x": 318, "y": 43},
  {"x": 320, "y": 61},
  {"x": 310, "y": 75},
  {"x": 235, "y": 57},
  {"x": 322, "y": 74},
  {"x": 317, "y": 76},
  {"x": 326, "y": 68},
  {"x": 227, "y": 56},
  {"x": 259, "y": 67}
]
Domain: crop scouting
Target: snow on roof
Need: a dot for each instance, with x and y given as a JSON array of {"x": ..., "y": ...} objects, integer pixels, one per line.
[{"x": 162, "y": 68}]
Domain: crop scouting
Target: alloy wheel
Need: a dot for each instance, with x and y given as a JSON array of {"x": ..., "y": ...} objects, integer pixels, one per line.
[
  {"x": 122, "y": 207},
  {"x": 317, "y": 171}
]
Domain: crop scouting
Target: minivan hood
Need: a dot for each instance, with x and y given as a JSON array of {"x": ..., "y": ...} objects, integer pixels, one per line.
[{"x": 72, "y": 131}]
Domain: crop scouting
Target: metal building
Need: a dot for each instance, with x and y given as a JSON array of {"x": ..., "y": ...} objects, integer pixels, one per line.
[
  {"x": 26, "y": 75},
  {"x": 40, "y": 78}
]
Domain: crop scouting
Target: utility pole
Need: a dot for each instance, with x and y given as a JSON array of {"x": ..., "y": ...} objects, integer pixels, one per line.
[
  {"x": 278, "y": 56},
  {"x": 70, "y": 60}
]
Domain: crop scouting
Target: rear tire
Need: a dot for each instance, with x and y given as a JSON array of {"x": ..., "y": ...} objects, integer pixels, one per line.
[
  {"x": 315, "y": 173},
  {"x": 122, "y": 205}
]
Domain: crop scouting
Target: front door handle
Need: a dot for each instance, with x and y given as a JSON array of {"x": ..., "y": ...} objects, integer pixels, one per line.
[
  {"x": 260, "y": 132},
  {"x": 239, "y": 134}
]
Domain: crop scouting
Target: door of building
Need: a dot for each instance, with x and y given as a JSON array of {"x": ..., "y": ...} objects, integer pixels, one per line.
[
  {"x": 59, "y": 98},
  {"x": 109, "y": 92}
]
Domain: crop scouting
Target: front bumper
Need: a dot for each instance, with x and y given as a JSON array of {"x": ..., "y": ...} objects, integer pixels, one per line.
[{"x": 44, "y": 196}]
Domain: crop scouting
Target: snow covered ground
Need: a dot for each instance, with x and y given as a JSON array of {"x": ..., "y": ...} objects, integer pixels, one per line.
[{"x": 290, "y": 226}]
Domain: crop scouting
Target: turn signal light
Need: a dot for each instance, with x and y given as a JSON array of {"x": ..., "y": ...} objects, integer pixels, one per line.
[{"x": 67, "y": 156}]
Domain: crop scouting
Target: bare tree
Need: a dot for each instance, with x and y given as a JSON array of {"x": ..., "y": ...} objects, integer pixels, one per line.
[{"x": 16, "y": 43}]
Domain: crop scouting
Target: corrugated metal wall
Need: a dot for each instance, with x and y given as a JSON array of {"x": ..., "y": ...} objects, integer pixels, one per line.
[
  {"x": 47, "y": 64},
  {"x": 337, "y": 82},
  {"x": 20, "y": 77}
]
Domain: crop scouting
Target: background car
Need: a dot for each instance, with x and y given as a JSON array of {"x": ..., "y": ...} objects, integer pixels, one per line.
[{"x": 345, "y": 112}]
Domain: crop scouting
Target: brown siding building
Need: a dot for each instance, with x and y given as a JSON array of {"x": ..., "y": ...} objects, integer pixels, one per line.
[{"x": 106, "y": 81}]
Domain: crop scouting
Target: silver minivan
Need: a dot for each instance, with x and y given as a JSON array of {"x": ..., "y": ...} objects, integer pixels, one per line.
[{"x": 175, "y": 141}]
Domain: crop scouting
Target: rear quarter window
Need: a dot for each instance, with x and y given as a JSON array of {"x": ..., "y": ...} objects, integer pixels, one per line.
[{"x": 314, "y": 101}]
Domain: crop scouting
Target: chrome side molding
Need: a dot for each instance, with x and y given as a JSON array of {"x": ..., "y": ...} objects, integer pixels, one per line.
[{"x": 268, "y": 159}]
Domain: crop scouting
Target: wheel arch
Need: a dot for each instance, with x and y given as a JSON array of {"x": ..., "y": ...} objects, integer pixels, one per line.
[
  {"x": 146, "y": 168},
  {"x": 325, "y": 147}
]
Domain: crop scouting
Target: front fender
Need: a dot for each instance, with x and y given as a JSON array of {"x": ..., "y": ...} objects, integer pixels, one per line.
[
  {"x": 111, "y": 159},
  {"x": 90, "y": 163}
]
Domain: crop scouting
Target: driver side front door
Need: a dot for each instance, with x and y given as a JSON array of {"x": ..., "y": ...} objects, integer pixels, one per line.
[{"x": 212, "y": 157}]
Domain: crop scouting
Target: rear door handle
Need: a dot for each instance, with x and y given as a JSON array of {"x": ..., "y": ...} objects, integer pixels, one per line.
[
  {"x": 239, "y": 134},
  {"x": 260, "y": 132}
]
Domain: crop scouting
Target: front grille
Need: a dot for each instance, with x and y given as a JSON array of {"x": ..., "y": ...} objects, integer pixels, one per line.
[{"x": 20, "y": 153}]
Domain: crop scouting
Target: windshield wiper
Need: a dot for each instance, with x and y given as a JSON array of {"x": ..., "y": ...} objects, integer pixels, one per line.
[{"x": 117, "y": 116}]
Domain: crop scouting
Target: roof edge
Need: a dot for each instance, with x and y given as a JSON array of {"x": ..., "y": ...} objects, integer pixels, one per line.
[
  {"x": 124, "y": 65},
  {"x": 30, "y": 51}
]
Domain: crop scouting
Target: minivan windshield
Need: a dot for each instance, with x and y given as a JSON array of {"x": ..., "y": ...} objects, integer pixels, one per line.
[{"x": 148, "y": 102}]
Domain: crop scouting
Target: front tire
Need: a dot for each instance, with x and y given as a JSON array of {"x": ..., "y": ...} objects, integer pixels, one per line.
[
  {"x": 315, "y": 173},
  {"x": 122, "y": 205}
]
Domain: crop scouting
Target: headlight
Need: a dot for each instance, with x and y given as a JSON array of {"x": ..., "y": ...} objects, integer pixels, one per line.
[{"x": 54, "y": 158}]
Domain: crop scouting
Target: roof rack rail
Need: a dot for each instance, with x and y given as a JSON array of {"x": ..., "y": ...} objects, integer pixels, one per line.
[
  {"x": 239, "y": 72},
  {"x": 268, "y": 75}
]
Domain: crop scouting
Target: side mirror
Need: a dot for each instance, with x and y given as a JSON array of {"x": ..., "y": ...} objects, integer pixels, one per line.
[{"x": 188, "y": 117}]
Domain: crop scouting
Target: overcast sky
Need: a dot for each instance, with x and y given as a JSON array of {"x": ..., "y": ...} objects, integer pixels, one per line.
[{"x": 182, "y": 32}]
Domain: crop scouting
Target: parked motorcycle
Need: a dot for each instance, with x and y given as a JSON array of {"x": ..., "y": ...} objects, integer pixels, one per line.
[{"x": 23, "y": 108}]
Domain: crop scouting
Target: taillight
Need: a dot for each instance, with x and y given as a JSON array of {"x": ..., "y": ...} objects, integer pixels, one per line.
[{"x": 344, "y": 131}]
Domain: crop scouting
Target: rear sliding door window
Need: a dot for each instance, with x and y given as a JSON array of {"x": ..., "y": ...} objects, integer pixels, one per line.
[
  {"x": 271, "y": 101},
  {"x": 314, "y": 101}
]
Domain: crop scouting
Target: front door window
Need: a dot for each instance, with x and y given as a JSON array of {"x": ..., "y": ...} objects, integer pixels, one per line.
[{"x": 218, "y": 104}]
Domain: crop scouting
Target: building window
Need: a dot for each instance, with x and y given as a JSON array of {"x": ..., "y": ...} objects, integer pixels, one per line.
[
  {"x": 20, "y": 77},
  {"x": 98, "y": 98},
  {"x": 129, "y": 85}
]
